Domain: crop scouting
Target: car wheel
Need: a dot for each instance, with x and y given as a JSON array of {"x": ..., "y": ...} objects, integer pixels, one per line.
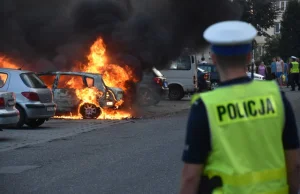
[
  {"x": 89, "y": 111},
  {"x": 175, "y": 93},
  {"x": 21, "y": 121},
  {"x": 214, "y": 85},
  {"x": 34, "y": 123},
  {"x": 147, "y": 98}
]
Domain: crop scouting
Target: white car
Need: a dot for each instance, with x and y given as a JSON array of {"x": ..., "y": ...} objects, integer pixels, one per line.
[
  {"x": 256, "y": 76},
  {"x": 9, "y": 115},
  {"x": 34, "y": 100}
]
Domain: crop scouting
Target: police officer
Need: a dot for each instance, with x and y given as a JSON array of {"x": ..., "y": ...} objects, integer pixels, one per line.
[
  {"x": 294, "y": 73},
  {"x": 243, "y": 133}
]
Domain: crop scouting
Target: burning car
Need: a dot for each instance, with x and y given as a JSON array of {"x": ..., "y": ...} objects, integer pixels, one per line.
[{"x": 81, "y": 92}]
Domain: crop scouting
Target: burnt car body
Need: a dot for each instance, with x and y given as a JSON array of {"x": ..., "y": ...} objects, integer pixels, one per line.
[
  {"x": 65, "y": 94},
  {"x": 152, "y": 88}
]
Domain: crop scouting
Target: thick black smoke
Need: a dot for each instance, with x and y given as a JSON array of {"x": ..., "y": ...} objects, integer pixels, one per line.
[{"x": 54, "y": 34}]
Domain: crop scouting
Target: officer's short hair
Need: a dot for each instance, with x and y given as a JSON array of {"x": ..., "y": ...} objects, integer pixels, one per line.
[{"x": 232, "y": 61}]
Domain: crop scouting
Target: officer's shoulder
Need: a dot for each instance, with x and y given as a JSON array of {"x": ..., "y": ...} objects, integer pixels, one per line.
[{"x": 198, "y": 104}]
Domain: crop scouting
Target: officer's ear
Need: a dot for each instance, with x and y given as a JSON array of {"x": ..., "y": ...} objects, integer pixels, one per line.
[{"x": 249, "y": 57}]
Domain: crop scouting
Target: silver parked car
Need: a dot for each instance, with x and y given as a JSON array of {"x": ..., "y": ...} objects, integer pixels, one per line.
[
  {"x": 65, "y": 94},
  {"x": 34, "y": 100},
  {"x": 9, "y": 115}
]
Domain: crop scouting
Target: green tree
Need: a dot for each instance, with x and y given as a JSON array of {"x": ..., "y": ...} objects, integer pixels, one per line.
[
  {"x": 260, "y": 13},
  {"x": 272, "y": 48},
  {"x": 290, "y": 30}
]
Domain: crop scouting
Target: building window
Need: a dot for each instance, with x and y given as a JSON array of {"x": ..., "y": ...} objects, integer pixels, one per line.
[
  {"x": 277, "y": 28},
  {"x": 282, "y": 5}
]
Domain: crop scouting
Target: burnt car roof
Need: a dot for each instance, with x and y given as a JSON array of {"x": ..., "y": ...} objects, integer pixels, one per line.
[{"x": 70, "y": 73}]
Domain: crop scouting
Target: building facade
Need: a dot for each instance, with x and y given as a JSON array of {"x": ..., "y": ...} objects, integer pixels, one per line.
[{"x": 275, "y": 30}]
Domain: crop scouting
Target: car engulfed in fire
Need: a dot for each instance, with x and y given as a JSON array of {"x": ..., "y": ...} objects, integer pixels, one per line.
[{"x": 82, "y": 93}]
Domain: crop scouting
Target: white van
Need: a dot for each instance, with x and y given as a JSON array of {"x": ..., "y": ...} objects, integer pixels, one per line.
[{"x": 182, "y": 77}]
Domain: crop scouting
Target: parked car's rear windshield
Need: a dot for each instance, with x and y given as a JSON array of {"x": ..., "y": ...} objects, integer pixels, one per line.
[{"x": 31, "y": 80}]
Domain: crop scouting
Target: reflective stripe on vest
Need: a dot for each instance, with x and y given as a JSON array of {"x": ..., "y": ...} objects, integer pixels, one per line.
[
  {"x": 246, "y": 123},
  {"x": 295, "y": 68}
]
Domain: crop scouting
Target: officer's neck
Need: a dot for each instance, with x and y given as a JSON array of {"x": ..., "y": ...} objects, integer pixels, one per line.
[{"x": 232, "y": 74}]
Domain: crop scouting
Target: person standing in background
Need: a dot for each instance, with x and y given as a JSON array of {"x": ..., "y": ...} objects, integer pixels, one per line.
[
  {"x": 273, "y": 68},
  {"x": 285, "y": 74},
  {"x": 203, "y": 61},
  {"x": 294, "y": 70},
  {"x": 279, "y": 70},
  {"x": 262, "y": 70}
]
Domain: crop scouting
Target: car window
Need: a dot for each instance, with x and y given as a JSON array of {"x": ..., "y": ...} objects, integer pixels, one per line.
[
  {"x": 182, "y": 63},
  {"x": 89, "y": 81},
  {"x": 48, "y": 80},
  {"x": 70, "y": 82},
  {"x": 31, "y": 80},
  {"x": 3, "y": 79}
]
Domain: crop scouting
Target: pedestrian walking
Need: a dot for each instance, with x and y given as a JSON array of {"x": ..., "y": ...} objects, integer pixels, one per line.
[
  {"x": 294, "y": 73},
  {"x": 242, "y": 137}
]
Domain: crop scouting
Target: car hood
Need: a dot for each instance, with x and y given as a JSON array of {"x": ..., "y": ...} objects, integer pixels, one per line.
[{"x": 116, "y": 90}]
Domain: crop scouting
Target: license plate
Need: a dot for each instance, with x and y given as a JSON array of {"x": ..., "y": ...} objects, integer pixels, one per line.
[
  {"x": 50, "y": 108},
  {"x": 11, "y": 103},
  {"x": 109, "y": 103},
  {"x": 166, "y": 84}
]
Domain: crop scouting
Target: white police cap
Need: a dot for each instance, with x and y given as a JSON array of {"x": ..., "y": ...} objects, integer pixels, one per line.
[
  {"x": 293, "y": 57},
  {"x": 230, "y": 33},
  {"x": 230, "y": 37}
]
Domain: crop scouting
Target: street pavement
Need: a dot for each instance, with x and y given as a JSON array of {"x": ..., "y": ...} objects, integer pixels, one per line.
[
  {"x": 60, "y": 128},
  {"x": 141, "y": 156},
  {"x": 135, "y": 156}
]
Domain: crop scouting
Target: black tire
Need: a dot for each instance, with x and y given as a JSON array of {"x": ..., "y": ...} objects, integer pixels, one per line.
[
  {"x": 214, "y": 85},
  {"x": 147, "y": 97},
  {"x": 22, "y": 118},
  {"x": 35, "y": 123},
  {"x": 176, "y": 93},
  {"x": 89, "y": 111}
]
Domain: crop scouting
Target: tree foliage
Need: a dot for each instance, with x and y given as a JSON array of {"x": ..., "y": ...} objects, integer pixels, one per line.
[
  {"x": 260, "y": 13},
  {"x": 290, "y": 30},
  {"x": 271, "y": 48}
]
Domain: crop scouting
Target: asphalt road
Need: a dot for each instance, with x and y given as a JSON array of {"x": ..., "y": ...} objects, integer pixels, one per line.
[
  {"x": 135, "y": 157},
  {"x": 142, "y": 156}
]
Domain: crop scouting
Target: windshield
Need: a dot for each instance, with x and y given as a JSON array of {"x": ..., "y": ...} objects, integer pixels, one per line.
[
  {"x": 182, "y": 63},
  {"x": 31, "y": 80}
]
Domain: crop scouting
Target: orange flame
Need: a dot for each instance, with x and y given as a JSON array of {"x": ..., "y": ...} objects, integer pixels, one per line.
[
  {"x": 6, "y": 63},
  {"x": 113, "y": 76}
]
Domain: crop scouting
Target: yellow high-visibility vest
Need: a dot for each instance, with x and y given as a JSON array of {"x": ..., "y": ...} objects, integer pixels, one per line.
[
  {"x": 246, "y": 124},
  {"x": 295, "y": 68}
]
